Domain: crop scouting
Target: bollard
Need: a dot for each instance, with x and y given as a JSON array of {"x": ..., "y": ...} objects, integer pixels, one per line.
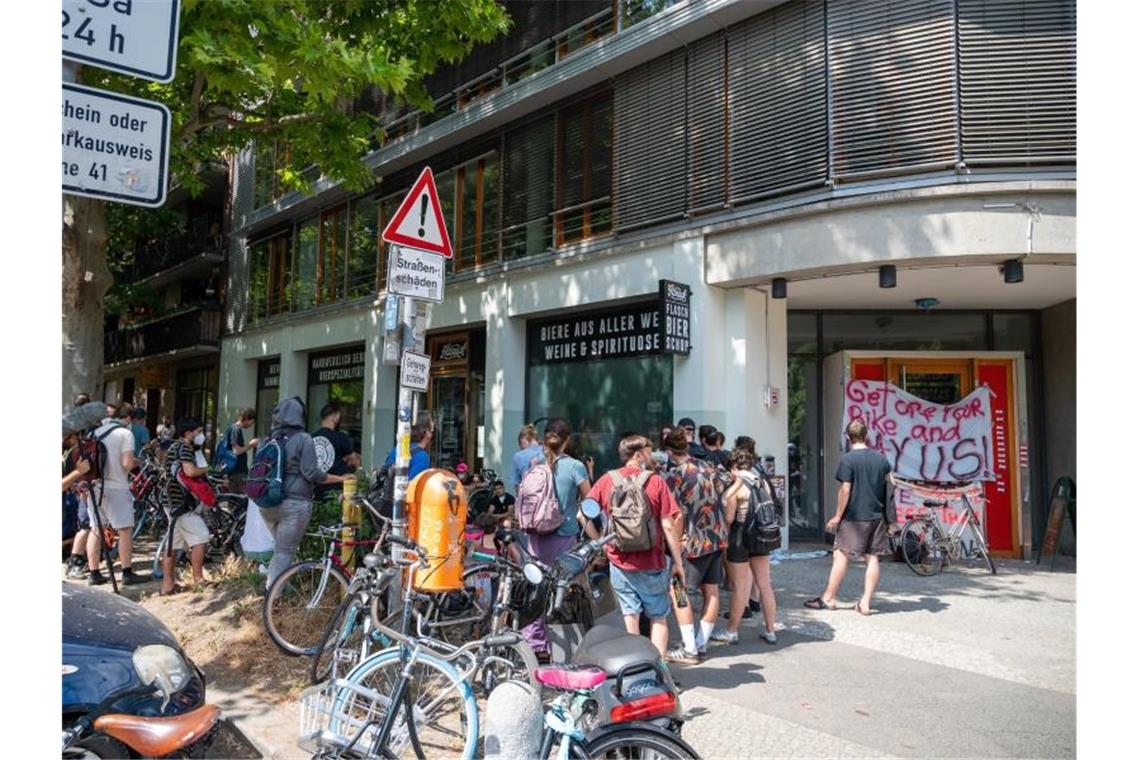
[
  {"x": 514, "y": 722},
  {"x": 350, "y": 517}
]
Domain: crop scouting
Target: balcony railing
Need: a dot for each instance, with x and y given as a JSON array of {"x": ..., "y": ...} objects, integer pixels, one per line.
[
  {"x": 201, "y": 238},
  {"x": 198, "y": 327}
]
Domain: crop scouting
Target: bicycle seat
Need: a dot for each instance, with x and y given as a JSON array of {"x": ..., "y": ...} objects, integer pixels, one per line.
[
  {"x": 569, "y": 677},
  {"x": 933, "y": 503}
]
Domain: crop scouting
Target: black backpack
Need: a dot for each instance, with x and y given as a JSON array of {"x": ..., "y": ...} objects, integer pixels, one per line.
[
  {"x": 382, "y": 494},
  {"x": 762, "y": 523}
]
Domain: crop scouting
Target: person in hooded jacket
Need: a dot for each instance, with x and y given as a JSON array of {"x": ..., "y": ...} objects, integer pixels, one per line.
[{"x": 289, "y": 520}]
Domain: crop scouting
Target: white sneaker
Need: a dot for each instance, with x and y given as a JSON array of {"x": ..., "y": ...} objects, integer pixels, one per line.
[
  {"x": 728, "y": 637},
  {"x": 769, "y": 636}
]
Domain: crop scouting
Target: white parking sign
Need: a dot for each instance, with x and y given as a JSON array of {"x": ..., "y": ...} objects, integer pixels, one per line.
[{"x": 135, "y": 37}]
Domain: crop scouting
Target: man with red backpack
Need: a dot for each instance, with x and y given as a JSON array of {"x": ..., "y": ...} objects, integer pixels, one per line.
[
  {"x": 641, "y": 512},
  {"x": 546, "y": 508}
]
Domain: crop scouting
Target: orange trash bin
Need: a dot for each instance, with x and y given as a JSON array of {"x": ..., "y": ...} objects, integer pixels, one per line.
[{"x": 437, "y": 516}]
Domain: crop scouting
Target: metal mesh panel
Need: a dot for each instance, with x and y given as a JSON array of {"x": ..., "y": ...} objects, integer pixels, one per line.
[
  {"x": 777, "y": 91},
  {"x": 528, "y": 188},
  {"x": 1018, "y": 63},
  {"x": 649, "y": 142},
  {"x": 706, "y": 123},
  {"x": 892, "y": 85}
]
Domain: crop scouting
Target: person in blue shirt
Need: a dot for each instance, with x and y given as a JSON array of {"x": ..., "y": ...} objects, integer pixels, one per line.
[
  {"x": 422, "y": 432},
  {"x": 139, "y": 431},
  {"x": 529, "y": 452}
]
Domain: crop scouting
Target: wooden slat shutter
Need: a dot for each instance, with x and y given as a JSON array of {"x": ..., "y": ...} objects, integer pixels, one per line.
[
  {"x": 528, "y": 188},
  {"x": 707, "y": 124}
]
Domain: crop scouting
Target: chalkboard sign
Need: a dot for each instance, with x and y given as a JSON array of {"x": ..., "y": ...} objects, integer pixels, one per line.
[
  {"x": 674, "y": 303},
  {"x": 1063, "y": 501}
]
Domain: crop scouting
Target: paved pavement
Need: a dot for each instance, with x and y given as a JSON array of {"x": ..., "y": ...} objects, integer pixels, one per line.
[{"x": 964, "y": 664}]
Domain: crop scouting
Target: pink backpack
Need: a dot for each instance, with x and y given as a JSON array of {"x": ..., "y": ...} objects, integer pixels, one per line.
[{"x": 536, "y": 503}]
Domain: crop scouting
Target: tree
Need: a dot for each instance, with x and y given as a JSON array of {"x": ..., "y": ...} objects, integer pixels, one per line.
[{"x": 267, "y": 70}]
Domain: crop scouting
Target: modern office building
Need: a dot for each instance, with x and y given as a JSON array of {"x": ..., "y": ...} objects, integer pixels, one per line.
[{"x": 847, "y": 188}]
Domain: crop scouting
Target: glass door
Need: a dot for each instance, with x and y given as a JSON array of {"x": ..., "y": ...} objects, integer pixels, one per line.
[
  {"x": 940, "y": 381},
  {"x": 447, "y": 400}
]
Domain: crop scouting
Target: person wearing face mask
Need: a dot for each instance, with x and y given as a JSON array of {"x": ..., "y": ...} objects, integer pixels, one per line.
[
  {"x": 640, "y": 579},
  {"x": 335, "y": 453},
  {"x": 187, "y": 531}
]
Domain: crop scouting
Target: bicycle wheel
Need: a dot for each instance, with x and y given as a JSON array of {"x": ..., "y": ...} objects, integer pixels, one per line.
[
  {"x": 636, "y": 742},
  {"x": 446, "y": 715},
  {"x": 980, "y": 543},
  {"x": 220, "y": 523},
  {"x": 520, "y": 665},
  {"x": 345, "y": 630},
  {"x": 295, "y": 615},
  {"x": 919, "y": 542}
]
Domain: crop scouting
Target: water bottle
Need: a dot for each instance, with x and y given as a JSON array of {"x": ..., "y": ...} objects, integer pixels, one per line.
[{"x": 680, "y": 598}]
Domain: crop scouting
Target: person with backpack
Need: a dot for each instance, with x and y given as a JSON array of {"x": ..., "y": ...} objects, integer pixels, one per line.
[
  {"x": 187, "y": 530},
  {"x": 753, "y": 533},
  {"x": 529, "y": 452},
  {"x": 697, "y": 487},
  {"x": 546, "y": 507},
  {"x": 111, "y": 492},
  {"x": 281, "y": 481},
  {"x": 642, "y": 513},
  {"x": 230, "y": 453}
]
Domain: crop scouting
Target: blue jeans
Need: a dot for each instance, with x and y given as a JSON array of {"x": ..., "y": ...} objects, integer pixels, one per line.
[{"x": 641, "y": 590}]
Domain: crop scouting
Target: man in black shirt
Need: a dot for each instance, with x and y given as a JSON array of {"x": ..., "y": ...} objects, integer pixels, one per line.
[
  {"x": 859, "y": 524},
  {"x": 335, "y": 454}
]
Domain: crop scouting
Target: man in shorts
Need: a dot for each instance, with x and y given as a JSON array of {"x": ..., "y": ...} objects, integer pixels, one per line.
[
  {"x": 697, "y": 487},
  {"x": 187, "y": 531},
  {"x": 111, "y": 493},
  {"x": 640, "y": 579},
  {"x": 859, "y": 526}
]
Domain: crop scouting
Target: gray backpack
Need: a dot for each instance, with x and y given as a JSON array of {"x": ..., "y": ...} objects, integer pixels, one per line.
[{"x": 630, "y": 513}]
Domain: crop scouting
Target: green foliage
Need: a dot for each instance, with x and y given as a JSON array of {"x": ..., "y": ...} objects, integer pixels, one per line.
[{"x": 287, "y": 70}]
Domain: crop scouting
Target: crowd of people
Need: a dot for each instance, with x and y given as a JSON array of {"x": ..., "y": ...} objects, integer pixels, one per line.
[{"x": 691, "y": 516}]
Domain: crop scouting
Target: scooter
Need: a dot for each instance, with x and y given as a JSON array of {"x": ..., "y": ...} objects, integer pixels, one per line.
[{"x": 638, "y": 684}]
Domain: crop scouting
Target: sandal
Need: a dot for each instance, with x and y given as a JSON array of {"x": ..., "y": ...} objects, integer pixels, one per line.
[
  {"x": 819, "y": 604},
  {"x": 859, "y": 608}
]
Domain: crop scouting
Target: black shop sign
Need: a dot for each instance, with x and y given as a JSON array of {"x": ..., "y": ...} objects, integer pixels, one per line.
[
  {"x": 338, "y": 366},
  {"x": 269, "y": 374},
  {"x": 640, "y": 329}
]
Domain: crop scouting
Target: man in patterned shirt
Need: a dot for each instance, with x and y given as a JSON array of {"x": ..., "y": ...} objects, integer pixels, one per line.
[{"x": 697, "y": 487}]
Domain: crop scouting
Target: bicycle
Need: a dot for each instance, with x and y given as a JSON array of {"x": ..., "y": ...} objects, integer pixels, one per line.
[
  {"x": 225, "y": 521},
  {"x": 927, "y": 548},
  {"x": 301, "y": 601},
  {"x": 350, "y": 716}
]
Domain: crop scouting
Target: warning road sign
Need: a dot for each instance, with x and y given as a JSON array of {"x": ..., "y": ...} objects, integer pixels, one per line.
[{"x": 418, "y": 223}]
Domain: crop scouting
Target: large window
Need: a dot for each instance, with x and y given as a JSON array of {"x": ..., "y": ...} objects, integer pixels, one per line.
[
  {"x": 363, "y": 246},
  {"x": 268, "y": 158},
  {"x": 338, "y": 375},
  {"x": 270, "y": 269},
  {"x": 331, "y": 279},
  {"x": 476, "y": 226},
  {"x": 585, "y": 153},
  {"x": 308, "y": 243},
  {"x": 528, "y": 189}
]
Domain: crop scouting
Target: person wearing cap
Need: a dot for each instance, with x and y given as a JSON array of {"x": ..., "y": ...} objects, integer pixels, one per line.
[
  {"x": 138, "y": 429},
  {"x": 463, "y": 472},
  {"x": 690, "y": 427}
]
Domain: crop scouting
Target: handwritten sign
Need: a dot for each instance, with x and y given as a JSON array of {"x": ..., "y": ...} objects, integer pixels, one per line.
[
  {"x": 909, "y": 498},
  {"x": 923, "y": 440}
]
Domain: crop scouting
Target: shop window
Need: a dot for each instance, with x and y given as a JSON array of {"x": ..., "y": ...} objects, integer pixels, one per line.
[
  {"x": 305, "y": 290},
  {"x": 363, "y": 247},
  {"x": 269, "y": 276},
  {"x": 337, "y": 375},
  {"x": 331, "y": 263},
  {"x": 886, "y": 331},
  {"x": 805, "y": 516},
  {"x": 1013, "y": 332},
  {"x": 585, "y": 152},
  {"x": 268, "y": 394}
]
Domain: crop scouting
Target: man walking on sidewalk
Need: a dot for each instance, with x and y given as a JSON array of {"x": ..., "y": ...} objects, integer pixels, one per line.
[
  {"x": 859, "y": 526},
  {"x": 642, "y": 512}
]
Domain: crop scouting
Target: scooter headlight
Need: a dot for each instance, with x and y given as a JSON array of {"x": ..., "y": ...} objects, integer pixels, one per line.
[{"x": 158, "y": 662}]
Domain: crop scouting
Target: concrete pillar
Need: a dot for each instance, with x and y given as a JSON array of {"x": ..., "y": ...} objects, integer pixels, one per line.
[
  {"x": 384, "y": 415},
  {"x": 698, "y": 387},
  {"x": 756, "y": 358},
  {"x": 505, "y": 381},
  {"x": 294, "y": 367},
  {"x": 237, "y": 383}
]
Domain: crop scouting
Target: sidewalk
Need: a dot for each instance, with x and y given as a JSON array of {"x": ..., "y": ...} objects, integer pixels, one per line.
[{"x": 963, "y": 664}]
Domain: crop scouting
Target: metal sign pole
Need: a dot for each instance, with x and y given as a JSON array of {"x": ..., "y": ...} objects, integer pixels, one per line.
[{"x": 403, "y": 425}]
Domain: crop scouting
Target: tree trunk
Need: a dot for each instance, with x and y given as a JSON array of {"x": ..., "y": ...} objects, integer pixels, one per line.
[{"x": 86, "y": 280}]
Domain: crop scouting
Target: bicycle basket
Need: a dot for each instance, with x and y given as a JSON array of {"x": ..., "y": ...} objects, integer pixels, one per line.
[{"x": 335, "y": 713}]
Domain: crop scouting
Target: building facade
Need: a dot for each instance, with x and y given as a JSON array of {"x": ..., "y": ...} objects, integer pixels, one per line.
[{"x": 771, "y": 157}]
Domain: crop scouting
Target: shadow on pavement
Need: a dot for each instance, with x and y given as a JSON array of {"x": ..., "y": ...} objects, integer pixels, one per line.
[{"x": 232, "y": 743}]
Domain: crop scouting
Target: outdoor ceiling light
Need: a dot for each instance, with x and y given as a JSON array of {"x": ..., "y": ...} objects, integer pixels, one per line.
[
  {"x": 779, "y": 287},
  {"x": 888, "y": 277},
  {"x": 1012, "y": 270}
]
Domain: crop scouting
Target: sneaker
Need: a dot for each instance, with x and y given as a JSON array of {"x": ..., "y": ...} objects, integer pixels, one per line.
[
  {"x": 682, "y": 656},
  {"x": 76, "y": 567},
  {"x": 130, "y": 578},
  {"x": 753, "y": 606},
  {"x": 96, "y": 578},
  {"x": 727, "y": 637},
  {"x": 769, "y": 636}
]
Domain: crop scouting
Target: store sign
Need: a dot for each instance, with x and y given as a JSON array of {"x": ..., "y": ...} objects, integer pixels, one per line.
[
  {"x": 416, "y": 274},
  {"x": 924, "y": 440},
  {"x": 336, "y": 367},
  {"x": 674, "y": 304},
  {"x": 269, "y": 374},
  {"x": 629, "y": 331},
  {"x": 450, "y": 350},
  {"x": 415, "y": 369}
]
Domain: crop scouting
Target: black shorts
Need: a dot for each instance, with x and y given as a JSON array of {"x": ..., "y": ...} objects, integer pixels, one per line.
[
  {"x": 705, "y": 570},
  {"x": 857, "y": 538},
  {"x": 741, "y": 550}
]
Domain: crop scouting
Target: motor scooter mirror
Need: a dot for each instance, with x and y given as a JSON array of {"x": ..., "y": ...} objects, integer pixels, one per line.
[{"x": 591, "y": 508}]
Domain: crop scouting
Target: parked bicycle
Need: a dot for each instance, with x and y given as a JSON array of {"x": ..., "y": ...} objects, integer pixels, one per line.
[
  {"x": 225, "y": 521},
  {"x": 927, "y": 547}
]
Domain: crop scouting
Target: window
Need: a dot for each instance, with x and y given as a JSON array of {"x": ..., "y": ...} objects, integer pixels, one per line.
[
  {"x": 363, "y": 246},
  {"x": 585, "y": 142},
  {"x": 476, "y": 223},
  {"x": 268, "y": 159},
  {"x": 269, "y": 277},
  {"x": 331, "y": 264},
  {"x": 305, "y": 288},
  {"x": 388, "y": 207},
  {"x": 528, "y": 179}
]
